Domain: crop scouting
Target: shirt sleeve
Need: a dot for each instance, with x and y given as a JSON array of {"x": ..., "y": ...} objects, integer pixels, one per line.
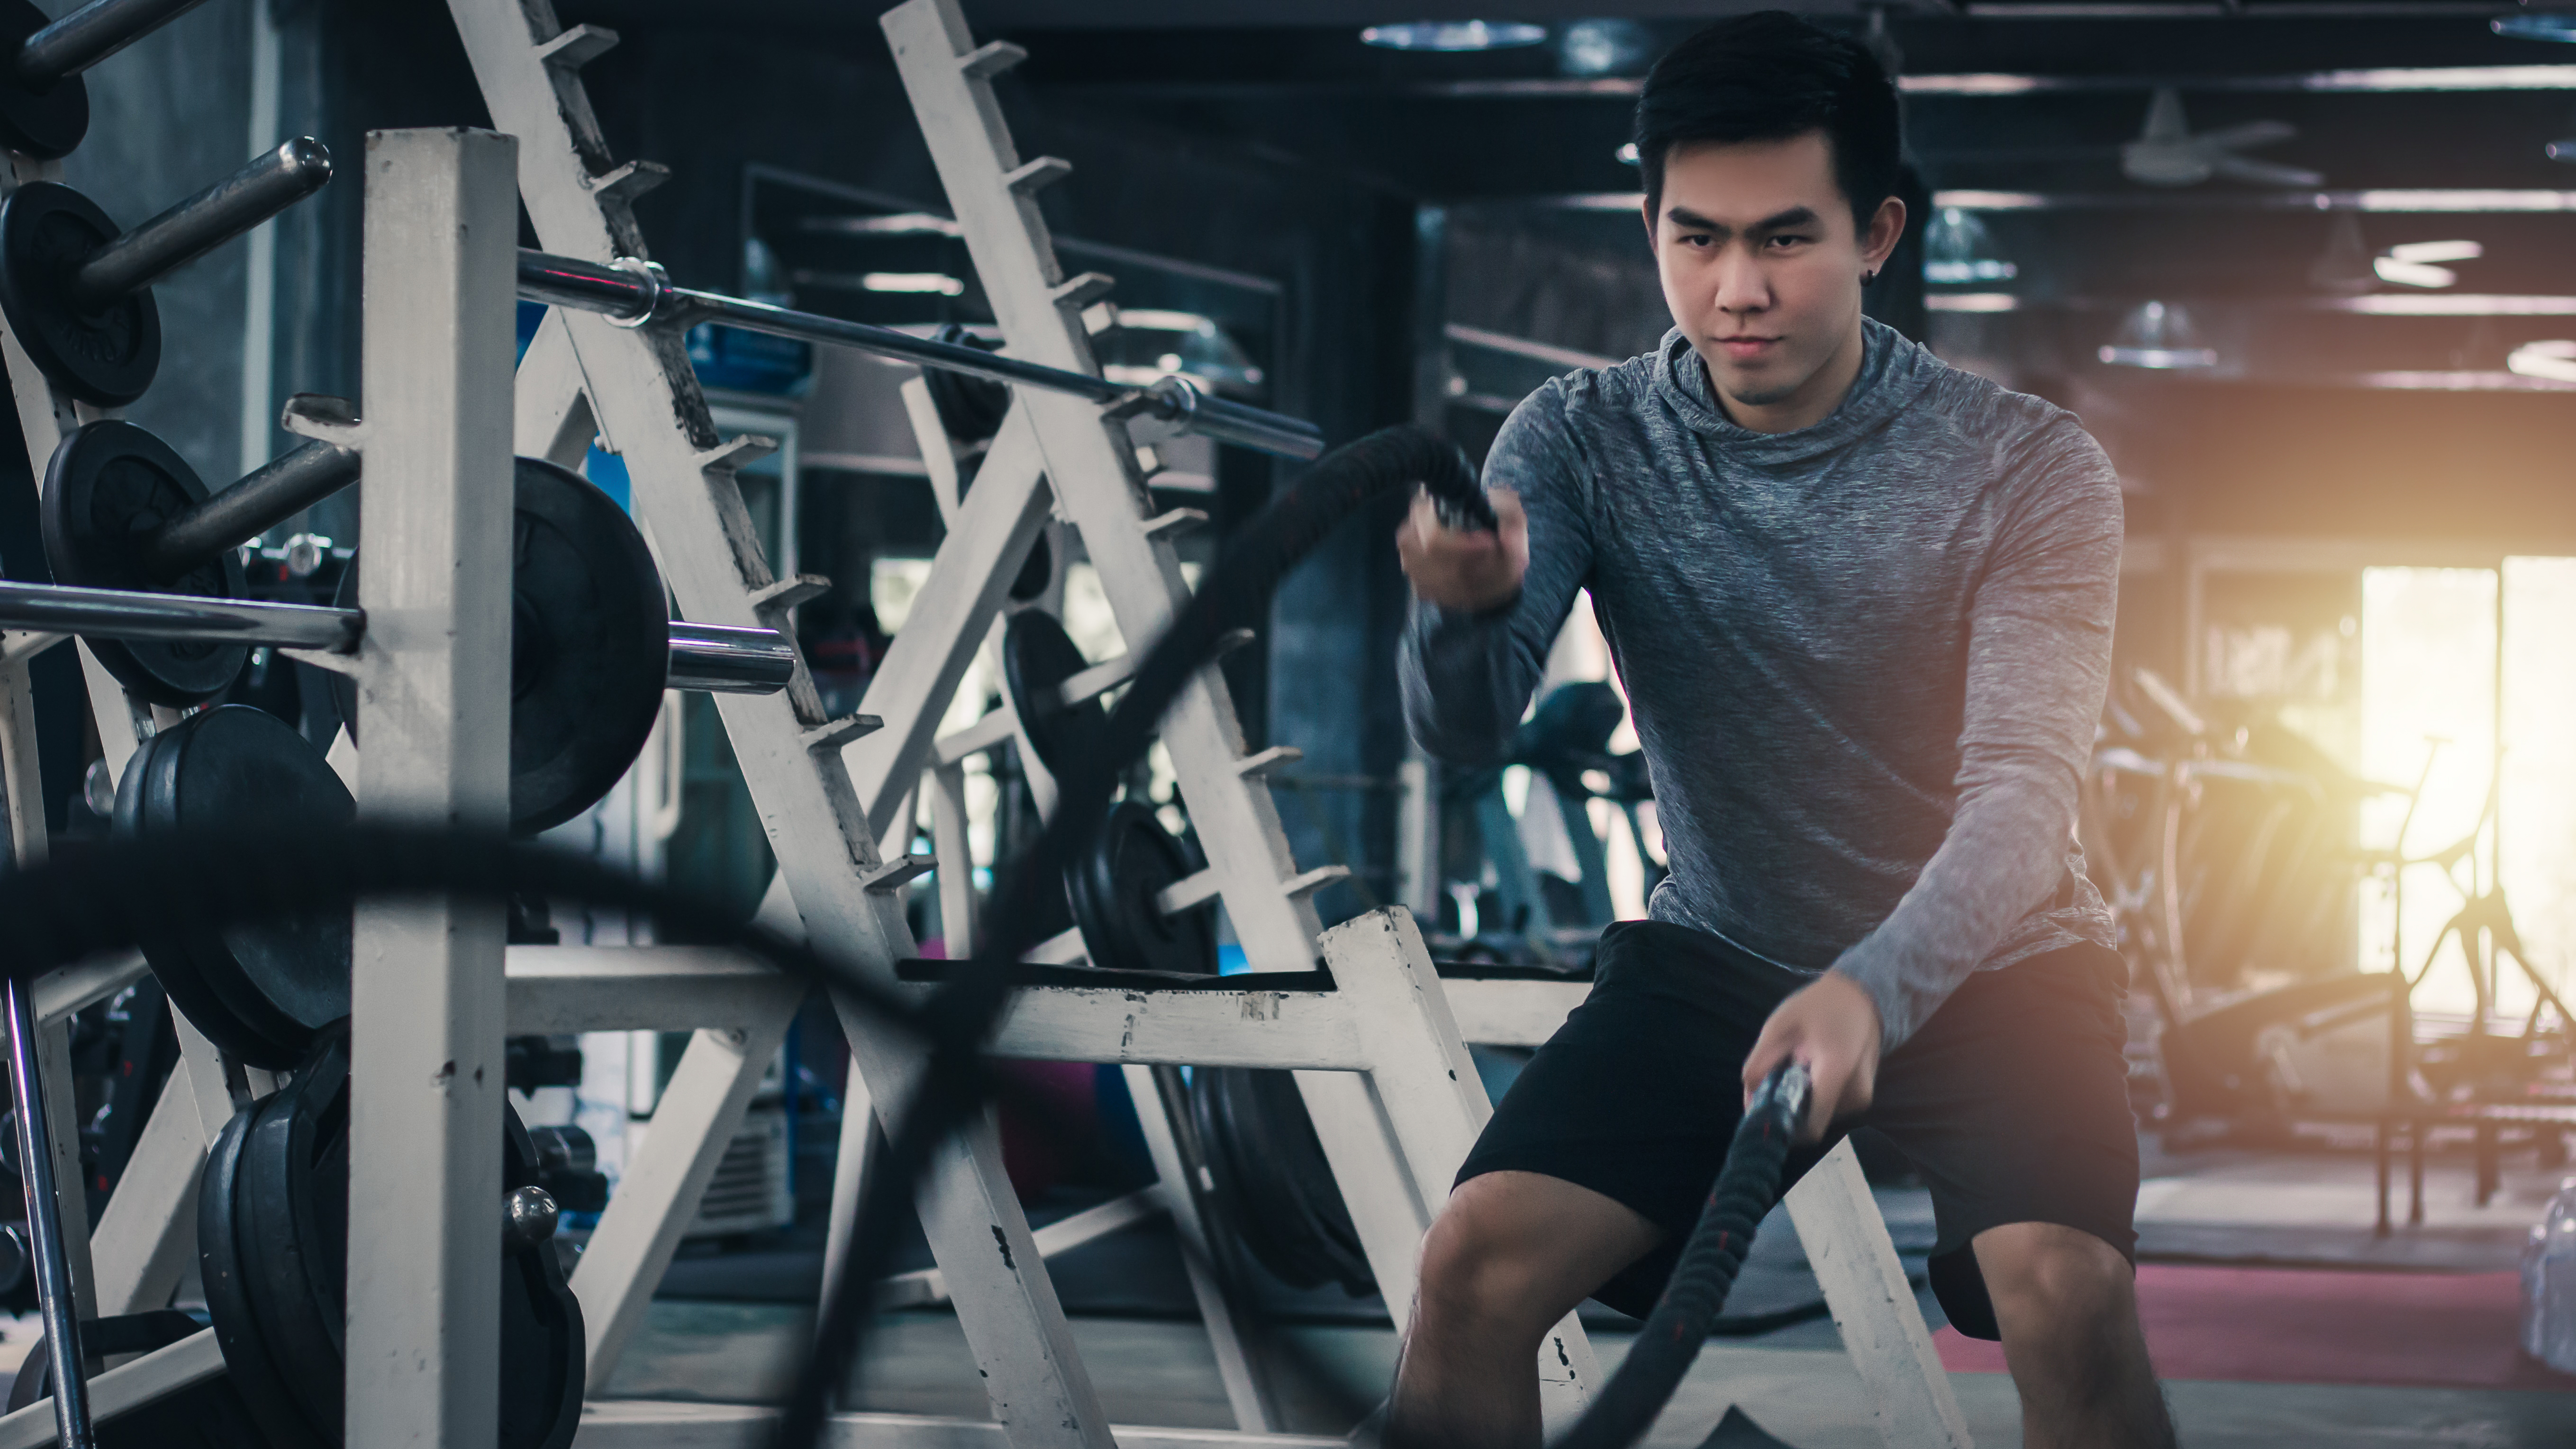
[
  {"x": 2038, "y": 664},
  {"x": 1467, "y": 677}
]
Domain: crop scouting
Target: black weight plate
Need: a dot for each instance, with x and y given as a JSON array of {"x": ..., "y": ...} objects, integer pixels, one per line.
[
  {"x": 1112, "y": 886},
  {"x": 260, "y": 988},
  {"x": 107, "y": 483},
  {"x": 164, "y": 939},
  {"x": 1037, "y": 571},
  {"x": 1037, "y": 658},
  {"x": 44, "y": 123},
  {"x": 544, "y": 1348},
  {"x": 970, "y": 408},
  {"x": 255, "y": 1374},
  {"x": 106, "y": 357},
  {"x": 1272, "y": 1180},
  {"x": 590, "y": 646},
  {"x": 290, "y": 1223},
  {"x": 292, "y": 1216}
]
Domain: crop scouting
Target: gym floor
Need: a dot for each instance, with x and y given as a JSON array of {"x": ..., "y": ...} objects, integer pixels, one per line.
[{"x": 2276, "y": 1315}]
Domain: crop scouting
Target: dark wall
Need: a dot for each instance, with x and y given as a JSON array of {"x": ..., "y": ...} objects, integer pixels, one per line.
[
  {"x": 169, "y": 115},
  {"x": 344, "y": 70}
]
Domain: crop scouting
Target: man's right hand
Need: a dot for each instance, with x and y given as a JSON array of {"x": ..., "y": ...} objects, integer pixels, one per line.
[{"x": 1470, "y": 572}]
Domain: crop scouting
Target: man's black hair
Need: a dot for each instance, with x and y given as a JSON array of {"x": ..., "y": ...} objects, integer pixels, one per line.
[{"x": 1769, "y": 76}]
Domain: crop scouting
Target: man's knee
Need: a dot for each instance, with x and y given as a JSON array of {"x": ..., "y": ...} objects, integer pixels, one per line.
[
  {"x": 2054, "y": 1284},
  {"x": 1478, "y": 1267}
]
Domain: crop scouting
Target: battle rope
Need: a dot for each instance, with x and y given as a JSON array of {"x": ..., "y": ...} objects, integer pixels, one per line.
[
  {"x": 102, "y": 898},
  {"x": 1747, "y": 1186}
]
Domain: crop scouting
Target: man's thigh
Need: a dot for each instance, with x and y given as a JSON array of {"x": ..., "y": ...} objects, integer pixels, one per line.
[
  {"x": 1638, "y": 1095},
  {"x": 2012, "y": 1103}
]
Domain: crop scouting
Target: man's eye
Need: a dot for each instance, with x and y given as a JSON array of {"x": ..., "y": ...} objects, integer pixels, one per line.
[
  {"x": 1696, "y": 239},
  {"x": 1787, "y": 239}
]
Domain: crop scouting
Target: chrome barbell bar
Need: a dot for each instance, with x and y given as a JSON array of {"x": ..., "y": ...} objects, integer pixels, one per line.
[
  {"x": 712, "y": 657},
  {"x": 637, "y": 294}
]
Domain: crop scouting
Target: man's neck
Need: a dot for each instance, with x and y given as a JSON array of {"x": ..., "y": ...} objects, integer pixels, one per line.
[{"x": 1811, "y": 403}]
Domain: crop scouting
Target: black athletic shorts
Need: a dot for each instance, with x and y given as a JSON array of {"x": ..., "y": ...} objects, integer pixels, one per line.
[{"x": 2012, "y": 1101}]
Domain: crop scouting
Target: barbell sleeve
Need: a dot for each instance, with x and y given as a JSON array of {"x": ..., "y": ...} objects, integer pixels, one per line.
[
  {"x": 635, "y": 294},
  {"x": 283, "y": 488},
  {"x": 91, "y": 34},
  {"x": 725, "y": 660},
  {"x": 203, "y": 222},
  {"x": 125, "y": 614}
]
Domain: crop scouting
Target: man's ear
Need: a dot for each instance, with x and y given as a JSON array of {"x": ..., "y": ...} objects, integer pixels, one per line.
[{"x": 1886, "y": 226}]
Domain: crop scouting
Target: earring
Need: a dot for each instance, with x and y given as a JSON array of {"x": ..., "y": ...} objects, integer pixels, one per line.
[{"x": 1868, "y": 277}]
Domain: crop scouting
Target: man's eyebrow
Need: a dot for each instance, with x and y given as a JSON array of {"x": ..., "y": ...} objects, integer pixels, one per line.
[{"x": 1795, "y": 216}]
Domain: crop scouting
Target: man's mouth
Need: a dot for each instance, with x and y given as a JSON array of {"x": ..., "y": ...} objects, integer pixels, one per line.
[{"x": 1743, "y": 348}]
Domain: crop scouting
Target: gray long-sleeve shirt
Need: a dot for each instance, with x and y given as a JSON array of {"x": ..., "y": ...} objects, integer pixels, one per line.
[{"x": 1865, "y": 658}]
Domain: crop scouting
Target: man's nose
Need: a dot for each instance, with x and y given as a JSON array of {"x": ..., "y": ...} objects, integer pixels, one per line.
[{"x": 1738, "y": 283}]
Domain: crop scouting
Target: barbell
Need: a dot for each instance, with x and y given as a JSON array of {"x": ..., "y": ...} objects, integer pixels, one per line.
[
  {"x": 149, "y": 572},
  {"x": 635, "y": 293}
]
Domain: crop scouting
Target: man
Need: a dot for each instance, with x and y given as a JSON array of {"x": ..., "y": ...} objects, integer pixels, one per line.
[{"x": 1862, "y": 606}]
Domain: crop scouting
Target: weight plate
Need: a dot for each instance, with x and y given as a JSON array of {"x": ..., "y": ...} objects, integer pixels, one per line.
[
  {"x": 42, "y": 123},
  {"x": 292, "y": 1215},
  {"x": 1271, "y": 1181},
  {"x": 590, "y": 646},
  {"x": 259, "y": 988},
  {"x": 1037, "y": 572},
  {"x": 970, "y": 408},
  {"x": 106, "y": 356},
  {"x": 254, "y": 1372},
  {"x": 542, "y": 1337},
  {"x": 277, "y": 1268},
  {"x": 1113, "y": 885},
  {"x": 1037, "y": 658},
  {"x": 107, "y": 483}
]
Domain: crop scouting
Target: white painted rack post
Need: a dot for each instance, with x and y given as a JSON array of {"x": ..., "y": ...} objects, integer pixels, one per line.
[{"x": 424, "y": 1355}]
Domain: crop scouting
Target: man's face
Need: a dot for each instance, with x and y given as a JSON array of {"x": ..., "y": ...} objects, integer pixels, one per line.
[{"x": 1762, "y": 266}]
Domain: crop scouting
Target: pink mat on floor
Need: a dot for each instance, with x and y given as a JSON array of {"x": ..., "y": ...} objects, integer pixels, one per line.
[{"x": 2317, "y": 1326}]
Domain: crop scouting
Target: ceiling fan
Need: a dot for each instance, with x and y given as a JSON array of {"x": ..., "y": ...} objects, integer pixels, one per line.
[{"x": 2167, "y": 153}]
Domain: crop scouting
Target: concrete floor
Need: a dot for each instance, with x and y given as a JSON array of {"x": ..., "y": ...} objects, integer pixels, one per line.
[
  {"x": 1163, "y": 1373},
  {"x": 2220, "y": 1204}
]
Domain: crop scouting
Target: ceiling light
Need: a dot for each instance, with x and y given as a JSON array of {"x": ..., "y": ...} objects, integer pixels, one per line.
[
  {"x": 932, "y": 283},
  {"x": 2158, "y": 336},
  {"x": 1599, "y": 47},
  {"x": 2544, "y": 25},
  {"x": 2412, "y": 274},
  {"x": 1957, "y": 248},
  {"x": 904, "y": 223},
  {"x": 1454, "y": 35},
  {"x": 2554, "y": 359},
  {"x": 1627, "y": 153},
  {"x": 2437, "y": 251}
]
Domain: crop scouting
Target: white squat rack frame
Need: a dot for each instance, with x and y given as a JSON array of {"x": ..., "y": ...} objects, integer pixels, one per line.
[{"x": 1380, "y": 1058}]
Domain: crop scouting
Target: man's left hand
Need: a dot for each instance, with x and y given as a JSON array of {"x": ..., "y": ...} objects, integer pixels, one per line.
[{"x": 1832, "y": 1026}]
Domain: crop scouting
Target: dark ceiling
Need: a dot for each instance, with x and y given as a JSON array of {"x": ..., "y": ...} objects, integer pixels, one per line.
[{"x": 2418, "y": 118}]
